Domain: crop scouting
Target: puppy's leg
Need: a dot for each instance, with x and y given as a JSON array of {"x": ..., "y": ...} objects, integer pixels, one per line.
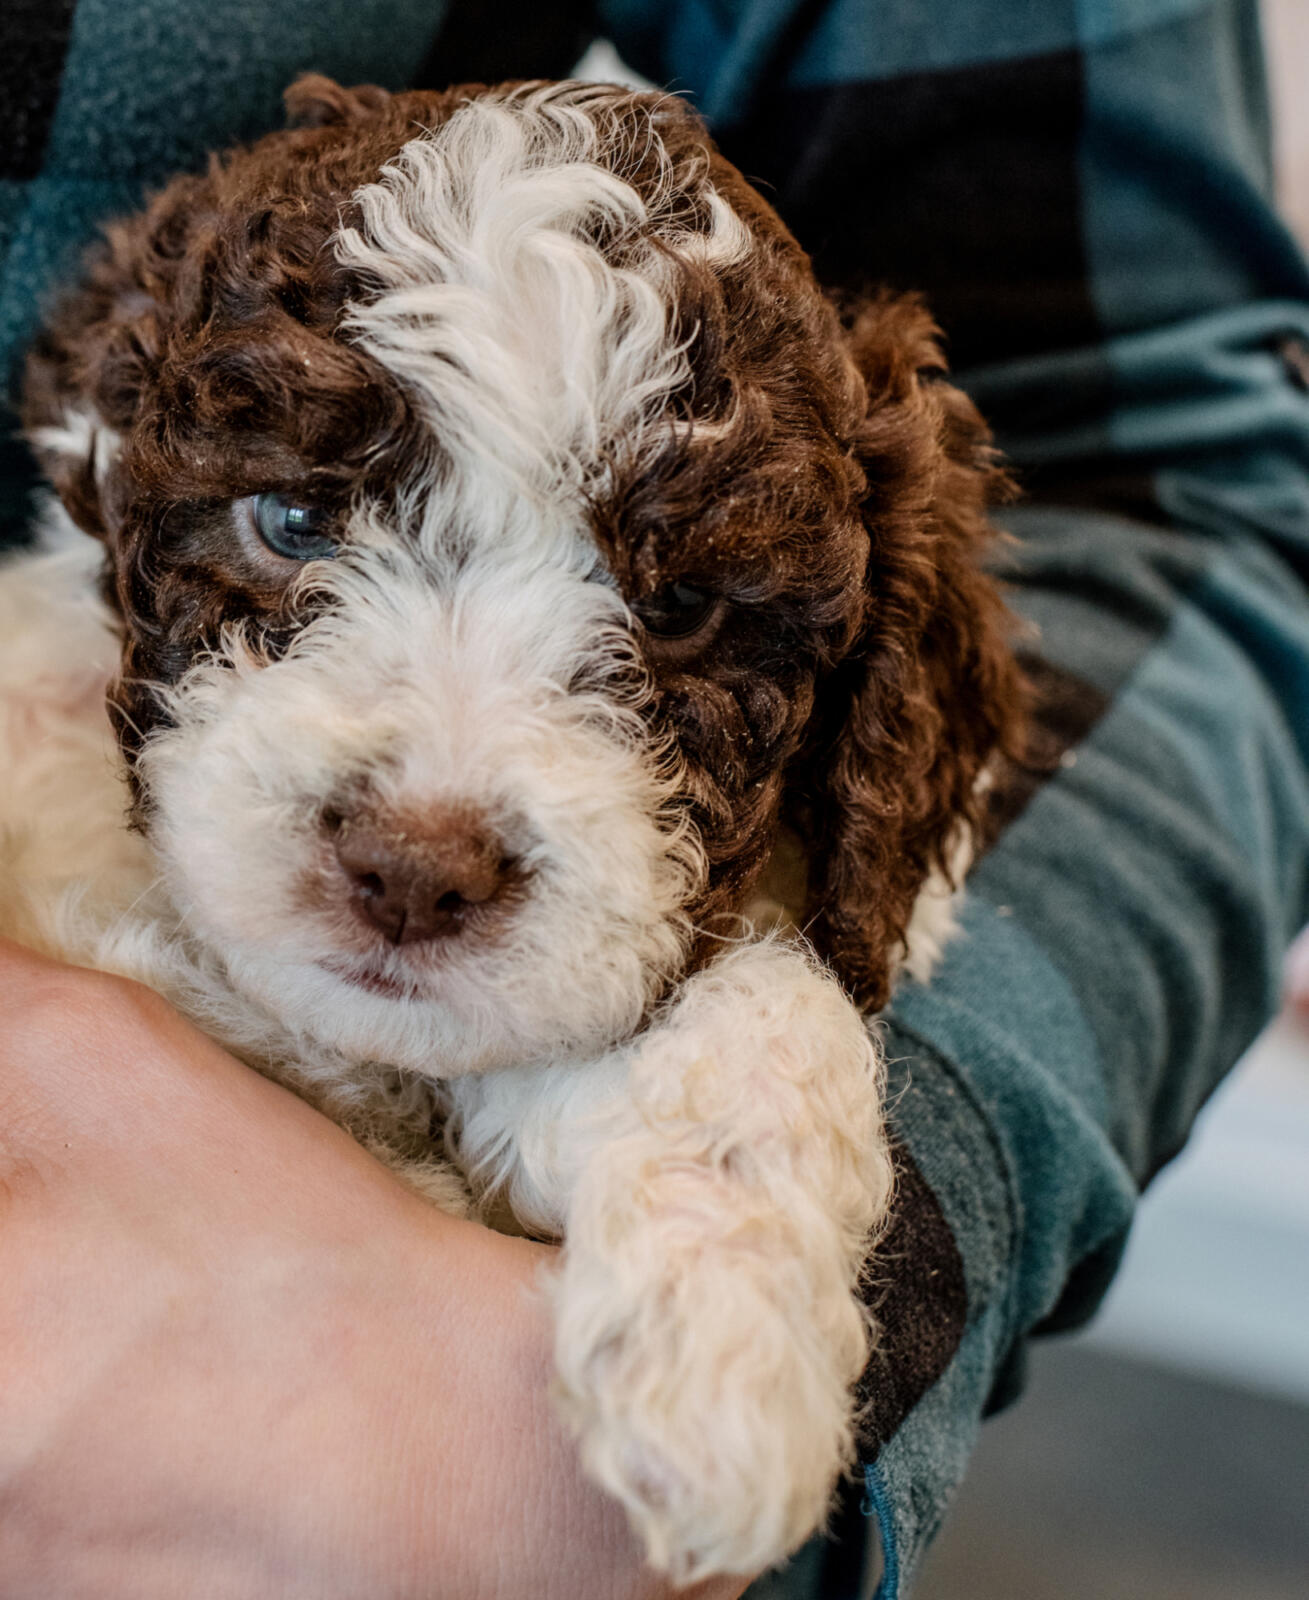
[{"x": 708, "y": 1326}]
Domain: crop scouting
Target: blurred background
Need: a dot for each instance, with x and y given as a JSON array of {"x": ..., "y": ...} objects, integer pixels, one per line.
[{"x": 1163, "y": 1454}]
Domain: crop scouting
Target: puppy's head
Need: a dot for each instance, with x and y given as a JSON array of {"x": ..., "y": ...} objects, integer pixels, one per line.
[{"x": 508, "y": 539}]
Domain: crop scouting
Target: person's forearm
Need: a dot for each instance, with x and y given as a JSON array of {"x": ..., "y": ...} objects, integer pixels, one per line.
[{"x": 241, "y": 1360}]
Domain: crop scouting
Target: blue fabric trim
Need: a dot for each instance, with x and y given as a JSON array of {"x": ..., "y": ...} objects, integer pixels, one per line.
[{"x": 877, "y": 1503}]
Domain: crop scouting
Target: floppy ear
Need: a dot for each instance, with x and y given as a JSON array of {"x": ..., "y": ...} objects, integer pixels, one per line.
[
  {"x": 929, "y": 690},
  {"x": 314, "y": 101},
  {"x": 83, "y": 382}
]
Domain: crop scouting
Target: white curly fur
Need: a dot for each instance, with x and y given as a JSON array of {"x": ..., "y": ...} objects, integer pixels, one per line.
[
  {"x": 718, "y": 1175},
  {"x": 718, "y": 1182}
]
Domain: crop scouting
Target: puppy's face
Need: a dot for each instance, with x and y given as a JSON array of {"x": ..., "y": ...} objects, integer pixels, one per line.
[{"x": 507, "y": 538}]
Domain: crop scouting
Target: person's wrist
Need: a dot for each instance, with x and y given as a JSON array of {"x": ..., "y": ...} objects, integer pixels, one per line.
[
  {"x": 495, "y": 1364},
  {"x": 249, "y": 1361}
]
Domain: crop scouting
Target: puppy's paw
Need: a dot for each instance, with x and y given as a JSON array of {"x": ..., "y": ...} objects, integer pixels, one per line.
[
  {"x": 708, "y": 1330},
  {"x": 708, "y": 1378}
]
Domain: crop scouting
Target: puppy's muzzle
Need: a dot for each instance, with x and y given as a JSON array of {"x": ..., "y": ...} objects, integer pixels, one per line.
[{"x": 416, "y": 878}]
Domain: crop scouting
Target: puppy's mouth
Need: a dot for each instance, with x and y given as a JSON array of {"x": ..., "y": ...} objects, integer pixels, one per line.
[{"x": 373, "y": 980}]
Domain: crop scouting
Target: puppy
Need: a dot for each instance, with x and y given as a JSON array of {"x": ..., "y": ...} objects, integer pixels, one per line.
[{"x": 524, "y": 602}]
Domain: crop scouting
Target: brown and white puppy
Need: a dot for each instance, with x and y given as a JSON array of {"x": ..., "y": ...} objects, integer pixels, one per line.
[{"x": 507, "y": 549}]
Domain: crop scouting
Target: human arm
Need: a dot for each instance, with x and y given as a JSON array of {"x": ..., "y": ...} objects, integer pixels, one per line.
[{"x": 241, "y": 1359}]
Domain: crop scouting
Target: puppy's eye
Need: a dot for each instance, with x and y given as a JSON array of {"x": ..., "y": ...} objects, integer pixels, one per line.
[
  {"x": 291, "y": 528},
  {"x": 675, "y": 612}
]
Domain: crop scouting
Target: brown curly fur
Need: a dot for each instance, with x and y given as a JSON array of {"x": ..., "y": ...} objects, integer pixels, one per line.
[{"x": 819, "y": 472}]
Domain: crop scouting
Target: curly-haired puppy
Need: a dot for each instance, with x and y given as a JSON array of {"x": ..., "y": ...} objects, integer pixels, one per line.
[{"x": 516, "y": 573}]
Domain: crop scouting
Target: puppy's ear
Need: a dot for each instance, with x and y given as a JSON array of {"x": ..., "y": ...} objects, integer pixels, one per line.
[
  {"x": 314, "y": 101},
  {"x": 929, "y": 691},
  {"x": 83, "y": 378}
]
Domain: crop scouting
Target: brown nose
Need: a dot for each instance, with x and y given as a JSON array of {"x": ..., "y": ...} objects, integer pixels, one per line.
[{"x": 420, "y": 878}]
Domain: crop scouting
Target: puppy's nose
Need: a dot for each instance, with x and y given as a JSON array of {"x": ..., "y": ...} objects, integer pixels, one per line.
[{"x": 416, "y": 879}]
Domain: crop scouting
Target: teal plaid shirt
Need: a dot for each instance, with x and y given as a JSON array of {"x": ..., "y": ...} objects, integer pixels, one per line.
[{"x": 1082, "y": 190}]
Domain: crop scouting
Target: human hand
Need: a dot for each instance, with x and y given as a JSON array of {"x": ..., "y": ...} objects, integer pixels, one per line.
[{"x": 240, "y": 1359}]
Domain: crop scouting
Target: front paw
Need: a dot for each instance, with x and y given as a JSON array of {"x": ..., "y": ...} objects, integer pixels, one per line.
[
  {"x": 707, "y": 1376},
  {"x": 708, "y": 1330}
]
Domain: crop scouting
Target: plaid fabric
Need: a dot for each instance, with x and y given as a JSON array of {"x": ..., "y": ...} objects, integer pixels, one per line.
[{"x": 1081, "y": 187}]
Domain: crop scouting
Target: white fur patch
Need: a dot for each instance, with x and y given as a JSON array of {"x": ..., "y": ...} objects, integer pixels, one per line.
[
  {"x": 537, "y": 353},
  {"x": 81, "y": 436},
  {"x": 719, "y": 1212},
  {"x": 437, "y": 697},
  {"x": 468, "y": 658}
]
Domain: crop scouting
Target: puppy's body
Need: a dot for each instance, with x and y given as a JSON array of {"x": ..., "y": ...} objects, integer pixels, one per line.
[{"x": 623, "y": 556}]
